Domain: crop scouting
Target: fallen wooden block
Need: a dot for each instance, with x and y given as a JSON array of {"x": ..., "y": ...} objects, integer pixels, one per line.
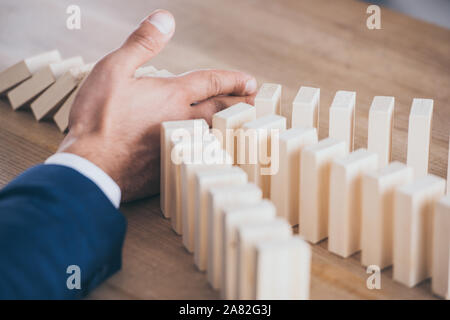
[
  {"x": 305, "y": 108},
  {"x": 344, "y": 221},
  {"x": 146, "y": 71},
  {"x": 283, "y": 269},
  {"x": 39, "y": 81},
  {"x": 226, "y": 122},
  {"x": 232, "y": 216},
  {"x": 255, "y": 143},
  {"x": 378, "y": 212},
  {"x": 249, "y": 234},
  {"x": 285, "y": 184},
  {"x": 441, "y": 248},
  {"x": 219, "y": 198},
  {"x": 342, "y": 117},
  {"x": 198, "y": 127},
  {"x": 419, "y": 136},
  {"x": 413, "y": 229},
  {"x": 381, "y": 121},
  {"x": 314, "y": 187},
  {"x": 51, "y": 99},
  {"x": 203, "y": 181},
  {"x": 268, "y": 100},
  {"x": 24, "y": 69}
]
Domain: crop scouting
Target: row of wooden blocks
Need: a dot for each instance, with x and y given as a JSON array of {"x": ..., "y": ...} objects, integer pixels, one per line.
[
  {"x": 395, "y": 214},
  {"x": 48, "y": 84}
]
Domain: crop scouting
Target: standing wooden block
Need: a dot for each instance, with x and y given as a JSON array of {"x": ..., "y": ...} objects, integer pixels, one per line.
[
  {"x": 305, "y": 108},
  {"x": 283, "y": 269},
  {"x": 255, "y": 143},
  {"x": 219, "y": 198},
  {"x": 344, "y": 228},
  {"x": 441, "y": 248},
  {"x": 233, "y": 216},
  {"x": 285, "y": 184},
  {"x": 419, "y": 136},
  {"x": 268, "y": 100},
  {"x": 226, "y": 122},
  {"x": 378, "y": 212},
  {"x": 314, "y": 187},
  {"x": 51, "y": 99},
  {"x": 41, "y": 80},
  {"x": 198, "y": 126},
  {"x": 203, "y": 181},
  {"x": 381, "y": 121},
  {"x": 413, "y": 228},
  {"x": 342, "y": 117},
  {"x": 24, "y": 69},
  {"x": 249, "y": 234},
  {"x": 188, "y": 195}
]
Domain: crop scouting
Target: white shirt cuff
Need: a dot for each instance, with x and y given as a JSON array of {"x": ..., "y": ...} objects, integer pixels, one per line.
[{"x": 90, "y": 171}]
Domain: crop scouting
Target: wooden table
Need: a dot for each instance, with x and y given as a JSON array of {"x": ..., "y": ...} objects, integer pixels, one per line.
[{"x": 318, "y": 43}]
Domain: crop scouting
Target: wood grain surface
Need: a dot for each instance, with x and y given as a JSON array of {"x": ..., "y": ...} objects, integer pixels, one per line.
[{"x": 317, "y": 43}]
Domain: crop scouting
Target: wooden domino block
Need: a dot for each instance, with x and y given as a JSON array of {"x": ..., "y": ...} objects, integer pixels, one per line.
[
  {"x": 314, "y": 187},
  {"x": 441, "y": 248},
  {"x": 50, "y": 100},
  {"x": 413, "y": 229},
  {"x": 39, "y": 81},
  {"x": 305, "y": 108},
  {"x": 378, "y": 212},
  {"x": 187, "y": 174},
  {"x": 283, "y": 269},
  {"x": 255, "y": 143},
  {"x": 419, "y": 136},
  {"x": 227, "y": 121},
  {"x": 218, "y": 198},
  {"x": 342, "y": 117},
  {"x": 203, "y": 181},
  {"x": 344, "y": 221},
  {"x": 285, "y": 184},
  {"x": 381, "y": 121},
  {"x": 24, "y": 69},
  {"x": 268, "y": 100},
  {"x": 249, "y": 234},
  {"x": 232, "y": 216},
  {"x": 146, "y": 71},
  {"x": 198, "y": 126}
]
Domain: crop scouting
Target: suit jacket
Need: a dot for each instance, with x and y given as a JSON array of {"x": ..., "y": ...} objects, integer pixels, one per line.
[{"x": 53, "y": 217}]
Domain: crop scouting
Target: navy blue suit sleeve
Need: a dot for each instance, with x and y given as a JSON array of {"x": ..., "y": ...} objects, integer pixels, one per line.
[{"x": 52, "y": 217}]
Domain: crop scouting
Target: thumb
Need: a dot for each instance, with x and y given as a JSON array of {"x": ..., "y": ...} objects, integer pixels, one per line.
[{"x": 146, "y": 41}]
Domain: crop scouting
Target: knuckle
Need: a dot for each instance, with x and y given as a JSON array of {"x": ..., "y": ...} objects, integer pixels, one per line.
[
  {"x": 149, "y": 44},
  {"x": 215, "y": 83}
]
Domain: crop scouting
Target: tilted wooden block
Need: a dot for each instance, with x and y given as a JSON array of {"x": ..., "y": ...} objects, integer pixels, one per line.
[
  {"x": 167, "y": 129},
  {"x": 305, "y": 108},
  {"x": 314, "y": 187},
  {"x": 52, "y": 98},
  {"x": 342, "y": 117},
  {"x": 232, "y": 216},
  {"x": 283, "y": 269},
  {"x": 24, "y": 69},
  {"x": 146, "y": 71},
  {"x": 419, "y": 136},
  {"x": 413, "y": 228},
  {"x": 219, "y": 198},
  {"x": 285, "y": 184},
  {"x": 249, "y": 234},
  {"x": 378, "y": 212},
  {"x": 441, "y": 248},
  {"x": 381, "y": 121},
  {"x": 268, "y": 100},
  {"x": 203, "y": 181},
  {"x": 39, "y": 81},
  {"x": 344, "y": 224},
  {"x": 228, "y": 121},
  {"x": 255, "y": 144}
]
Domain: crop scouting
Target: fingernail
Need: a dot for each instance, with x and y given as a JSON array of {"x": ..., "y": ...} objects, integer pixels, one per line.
[
  {"x": 250, "y": 86},
  {"x": 162, "y": 21}
]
